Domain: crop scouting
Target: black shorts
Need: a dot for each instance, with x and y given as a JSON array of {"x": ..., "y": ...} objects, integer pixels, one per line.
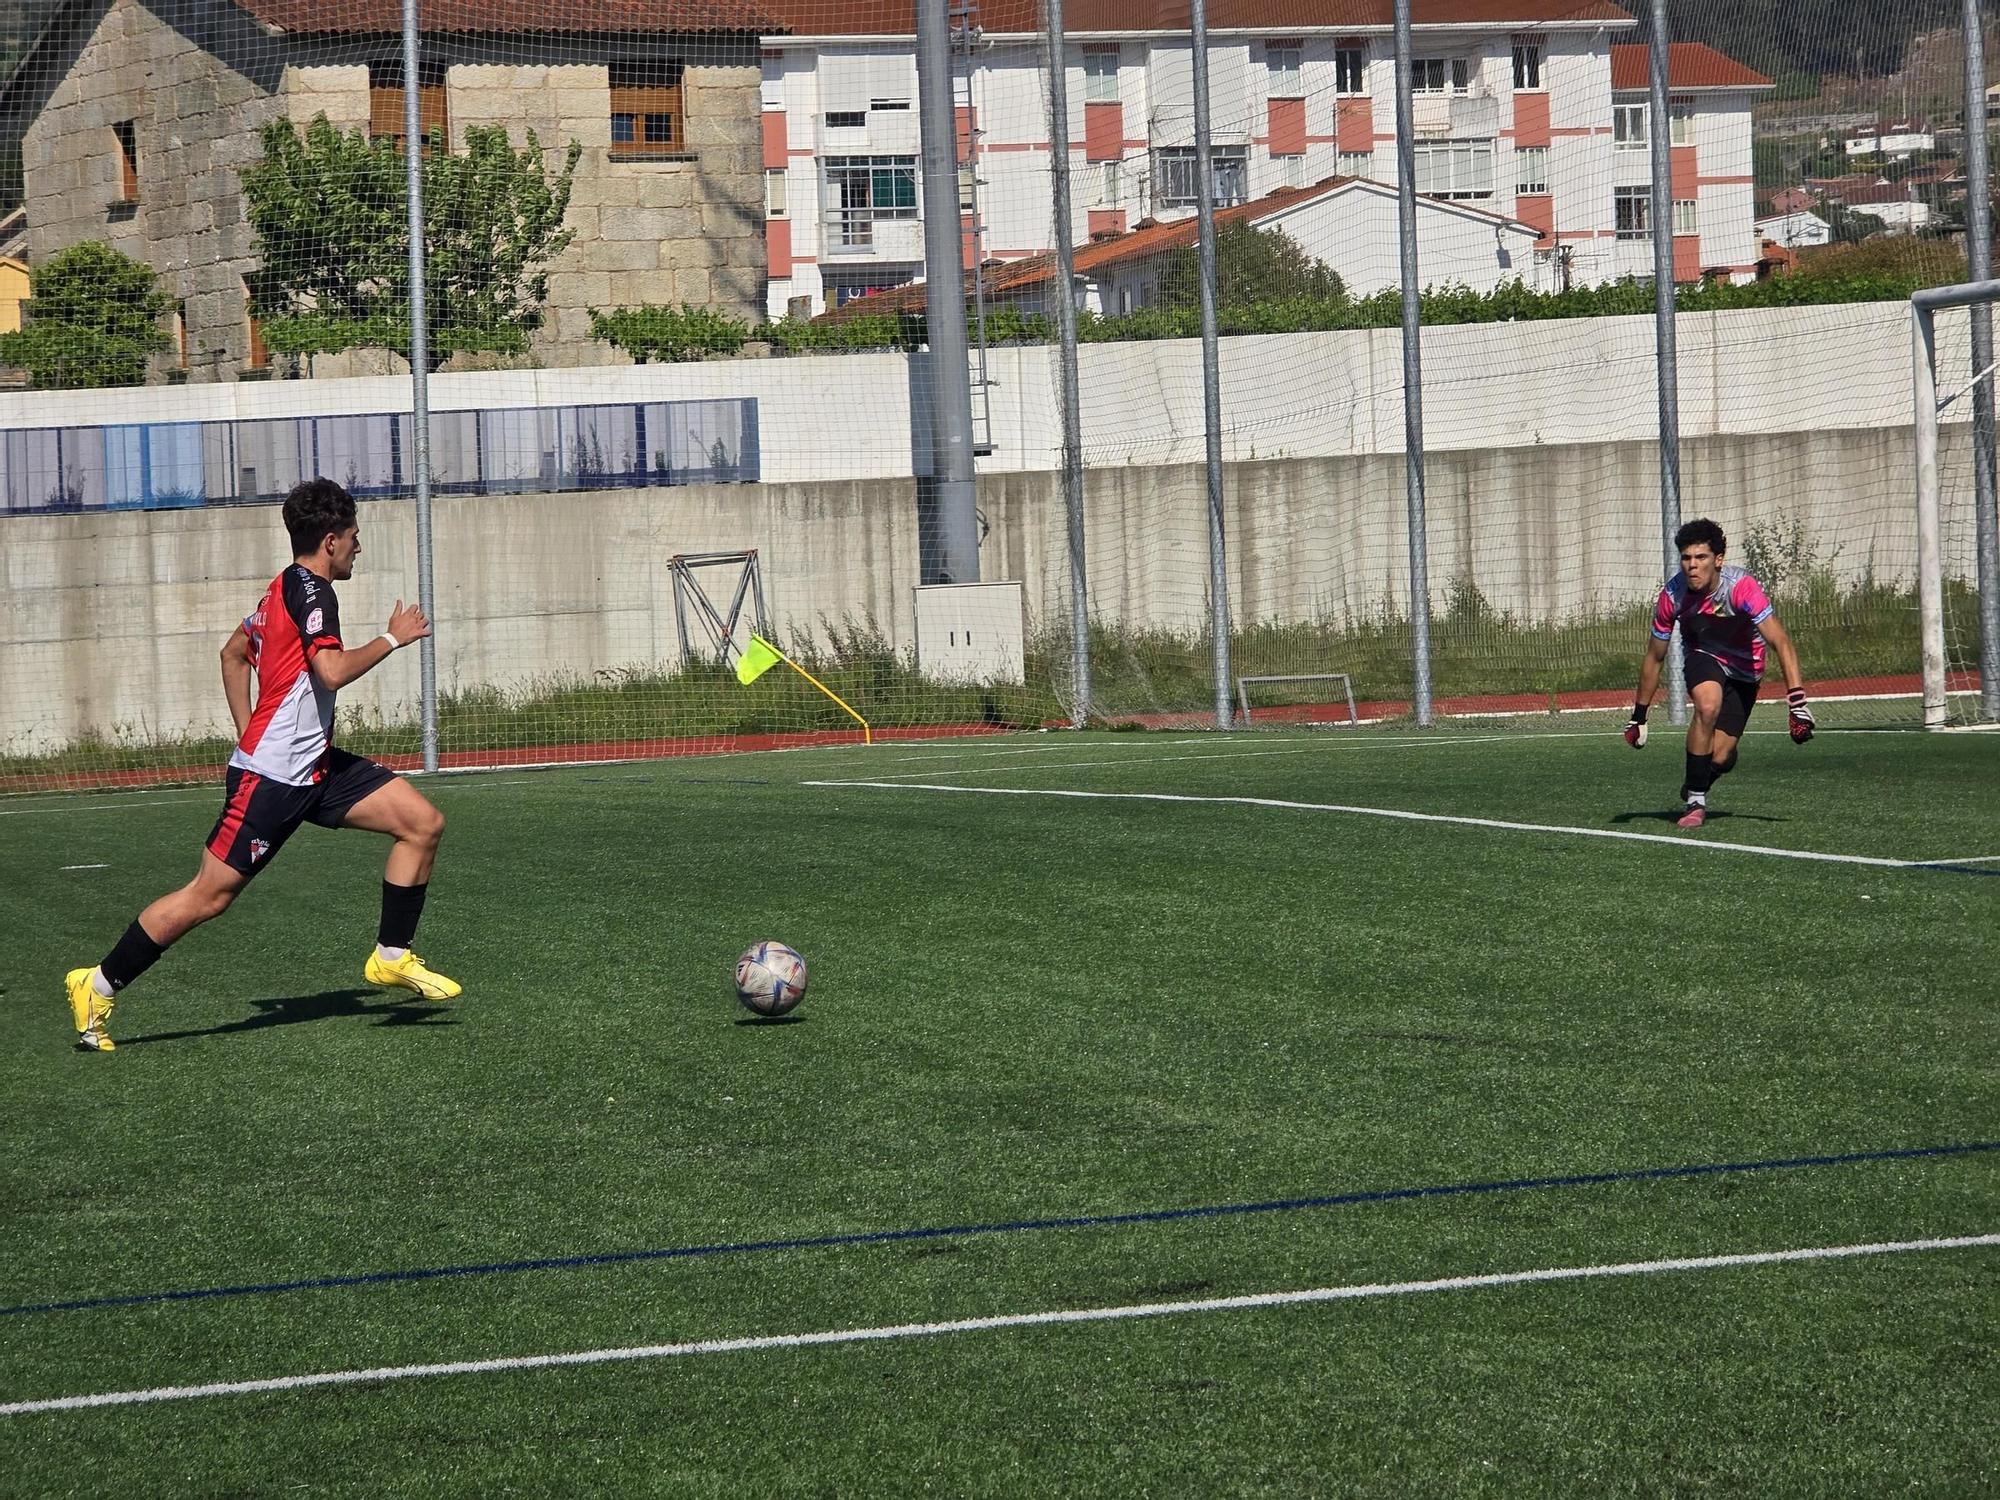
[
  {"x": 259, "y": 814},
  {"x": 1738, "y": 696}
]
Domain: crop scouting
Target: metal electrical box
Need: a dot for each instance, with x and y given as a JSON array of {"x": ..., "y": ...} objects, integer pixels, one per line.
[{"x": 970, "y": 632}]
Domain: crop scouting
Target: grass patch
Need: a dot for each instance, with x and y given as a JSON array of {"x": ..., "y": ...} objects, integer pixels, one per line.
[{"x": 1028, "y": 1008}]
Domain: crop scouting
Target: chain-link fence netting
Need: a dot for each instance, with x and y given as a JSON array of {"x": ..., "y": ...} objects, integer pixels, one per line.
[{"x": 680, "y": 385}]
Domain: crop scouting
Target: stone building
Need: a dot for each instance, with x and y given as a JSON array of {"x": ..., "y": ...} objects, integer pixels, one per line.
[{"x": 137, "y": 117}]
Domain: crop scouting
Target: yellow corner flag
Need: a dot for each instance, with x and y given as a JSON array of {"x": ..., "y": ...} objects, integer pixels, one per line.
[{"x": 758, "y": 658}]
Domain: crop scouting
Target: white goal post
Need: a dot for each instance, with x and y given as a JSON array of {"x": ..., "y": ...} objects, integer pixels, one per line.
[{"x": 1930, "y": 560}]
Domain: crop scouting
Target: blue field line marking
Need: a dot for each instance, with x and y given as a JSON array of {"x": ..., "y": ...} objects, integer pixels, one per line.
[{"x": 1014, "y": 1226}]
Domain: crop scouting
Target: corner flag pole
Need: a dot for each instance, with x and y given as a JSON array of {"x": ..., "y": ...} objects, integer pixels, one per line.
[{"x": 760, "y": 656}]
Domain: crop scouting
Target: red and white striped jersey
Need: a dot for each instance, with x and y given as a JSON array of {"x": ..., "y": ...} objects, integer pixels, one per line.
[{"x": 291, "y": 728}]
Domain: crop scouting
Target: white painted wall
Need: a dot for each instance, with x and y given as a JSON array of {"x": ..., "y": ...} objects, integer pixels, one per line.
[
  {"x": 1795, "y": 229},
  {"x": 838, "y": 417}
]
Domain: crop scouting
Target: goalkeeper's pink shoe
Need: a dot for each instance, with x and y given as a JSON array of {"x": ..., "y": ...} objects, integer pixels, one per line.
[{"x": 1694, "y": 817}]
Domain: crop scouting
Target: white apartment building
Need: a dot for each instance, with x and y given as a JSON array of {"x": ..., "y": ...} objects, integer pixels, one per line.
[{"x": 1531, "y": 112}]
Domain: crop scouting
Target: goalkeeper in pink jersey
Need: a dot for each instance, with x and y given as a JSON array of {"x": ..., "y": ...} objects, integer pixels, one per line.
[{"x": 1725, "y": 620}]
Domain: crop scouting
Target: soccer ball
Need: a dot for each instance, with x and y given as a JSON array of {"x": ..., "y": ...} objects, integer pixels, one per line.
[{"x": 770, "y": 979}]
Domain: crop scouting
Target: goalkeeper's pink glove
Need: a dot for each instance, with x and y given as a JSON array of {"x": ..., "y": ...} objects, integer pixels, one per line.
[
  {"x": 1635, "y": 727},
  {"x": 1801, "y": 722}
]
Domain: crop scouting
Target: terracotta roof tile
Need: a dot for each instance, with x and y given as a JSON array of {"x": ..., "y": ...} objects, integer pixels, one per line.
[
  {"x": 1017, "y": 17},
  {"x": 385, "y": 17},
  {"x": 1690, "y": 65}
]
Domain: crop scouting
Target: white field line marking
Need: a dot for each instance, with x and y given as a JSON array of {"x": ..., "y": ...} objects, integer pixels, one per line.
[
  {"x": 1970, "y": 859},
  {"x": 125, "y": 802},
  {"x": 1081, "y": 765},
  {"x": 983, "y": 1325},
  {"x": 1399, "y": 814},
  {"x": 118, "y": 806},
  {"x": 86, "y": 867},
  {"x": 1316, "y": 745}
]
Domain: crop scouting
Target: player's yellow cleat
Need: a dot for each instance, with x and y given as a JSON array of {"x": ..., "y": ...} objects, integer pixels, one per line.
[
  {"x": 90, "y": 1011},
  {"x": 409, "y": 973}
]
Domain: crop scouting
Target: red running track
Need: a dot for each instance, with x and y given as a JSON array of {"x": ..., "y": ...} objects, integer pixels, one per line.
[{"x": 726, "y": 744}]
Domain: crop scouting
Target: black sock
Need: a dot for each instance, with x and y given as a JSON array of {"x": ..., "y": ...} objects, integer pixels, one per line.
[
  {"x": 402, "y": 905},
  {"x": 134, "y": 954},
  {"x": 1700, "y": 774}
]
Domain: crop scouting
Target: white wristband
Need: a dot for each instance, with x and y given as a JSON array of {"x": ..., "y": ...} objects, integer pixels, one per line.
[{"x": 394, "y": 644}]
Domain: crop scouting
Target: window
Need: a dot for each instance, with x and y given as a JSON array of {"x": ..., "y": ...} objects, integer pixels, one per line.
[
  {"x": 846, "y": 119},
  {"x": 888, "y": 104},
  {"x": 968, "y": 190},
  {"x": 1632, "y": 212},
  {"x": 775, "y": 194},
  {"x": 127, "y": 133},
  {"x": 1175, "y": 179},
  {"x": 1355, "y": 163},
  {"x": 1684, "y": 217},
  {"x": 1628, "y": 127},
  {"x": 1107, "y": 184},
  {"x": 646, "y": 116},
  {"x": 860, "y": 190},
  {"x": 1455, "y": 169},
  {"x": 256, "y": 357},
  {"x": 1527, "y": 66},
  {"x": 1100, "y": 75},
  {"x": 385, "y": 102},
  {"x": 1291, "y": 170},
  {"x": 1531, "y": 169},
  {"x": 1281, "y": 63},
  {"x": 1350, "y": 70},
  {"x": 1440, "y": 75},
  {"x": 1680, "y": 123}
]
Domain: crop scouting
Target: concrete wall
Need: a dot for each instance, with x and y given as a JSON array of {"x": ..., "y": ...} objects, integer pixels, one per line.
[{"x": 110, "y": 623}]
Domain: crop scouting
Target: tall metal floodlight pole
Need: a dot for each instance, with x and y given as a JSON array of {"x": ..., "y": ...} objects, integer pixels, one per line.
[
  {"x": 955, "y": 498},
  {"x": 1211, "y": 374},
  {"x": 1665, "y": 359},
  {"x": 420, "y": 376},
  {"x": 1413, "y": 372},
  {"x": 1072, "y": 417},
  {"x": 1979, "y": 267}
]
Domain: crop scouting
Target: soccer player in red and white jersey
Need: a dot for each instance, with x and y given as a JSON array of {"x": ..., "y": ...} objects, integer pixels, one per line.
[
  {"x": 1725, "y": 620},
  {"x": 286, "y": 771}
]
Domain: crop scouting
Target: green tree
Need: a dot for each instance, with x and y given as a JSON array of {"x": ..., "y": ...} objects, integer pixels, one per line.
[
  {"x": 331, "y": 214},
  {"x": 93, "y": 320},
  {"x": 1251, "y": 265}
]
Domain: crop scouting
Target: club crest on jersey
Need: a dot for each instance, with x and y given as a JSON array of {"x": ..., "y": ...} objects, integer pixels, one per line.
[
  {"x": 258, "y": 849},
  {"x": 314, "y": 620}
]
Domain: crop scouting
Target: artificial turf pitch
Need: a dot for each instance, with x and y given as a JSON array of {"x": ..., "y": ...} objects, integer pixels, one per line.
[{"x": 1026, "y": 1008}]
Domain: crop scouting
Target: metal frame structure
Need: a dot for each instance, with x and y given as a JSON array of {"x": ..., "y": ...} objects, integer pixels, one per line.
[
  {"x": 1346, "y": 682},
  {"x": 720, "y": 628}
]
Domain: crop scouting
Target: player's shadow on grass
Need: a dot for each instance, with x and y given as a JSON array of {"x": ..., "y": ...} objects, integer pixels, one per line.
[
  {"x": 326, "y": 1005},
  {"x": 1673, "y": 814}
]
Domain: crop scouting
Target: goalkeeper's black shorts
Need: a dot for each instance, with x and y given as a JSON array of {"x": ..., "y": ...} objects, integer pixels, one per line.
[{"x": 1739, "y": 695}]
